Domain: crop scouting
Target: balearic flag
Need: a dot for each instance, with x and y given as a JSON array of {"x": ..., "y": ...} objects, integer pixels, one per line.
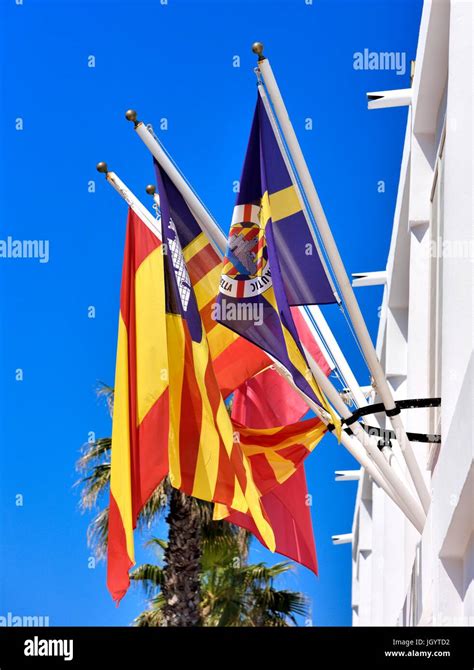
[
  {"x": 205, "y": 459},
  {"x": 267, "y": 266},
  {"x": 234, "y": 358}
]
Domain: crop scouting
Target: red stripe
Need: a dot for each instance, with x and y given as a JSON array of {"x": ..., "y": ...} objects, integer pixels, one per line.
[
  {"x": 224, "y": 488},
  {"x": 134, "y": 251},
  {"x": 262, "y": 472},
  {"x": 247, "y": 213},
  {"x": 252, "y": 232},
  {"x": 296, "y": 431},
  {"x": 190, "y": 419},
  {"x": 238, "y": 466},
  {"x": 202, "y": 263},
  {"x": 237, "y": 363},
  {"x": 206, "y": 316},
  {"x": 118, "y": 560},
  {"x": 240, "y": 289},
  {"x": 152, "y": 458},
  {"x": 295, "y": 453}
]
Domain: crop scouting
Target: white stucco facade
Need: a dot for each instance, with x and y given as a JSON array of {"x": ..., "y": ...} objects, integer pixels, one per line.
[{"x": 425, "y": 343}]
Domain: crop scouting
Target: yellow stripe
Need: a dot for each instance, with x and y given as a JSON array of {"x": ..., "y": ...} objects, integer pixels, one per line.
[
  {"x": 239, "y": 501},
  {"x": 296, "y": 357},
  {"x": 176, "y": 360},
  {"x": 207, "y": 287},
  {"x": 308, "y": 440},
  {"x": 224, "y": 426},
  {"x": 219, "y": 339},
  {"x": 120, "y": 476},
  {"x": 207, "y": 463},
  {"x": 195, "y": 246},
  {"x": 151, "y": 356},
  {"x": 220, "y": 512},
  {"x": 255, "y": 508},
  {"x": 282, "y": 467},
  {"x": 280, "y": 204}
]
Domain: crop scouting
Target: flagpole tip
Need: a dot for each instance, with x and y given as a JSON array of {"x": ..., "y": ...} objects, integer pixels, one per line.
[
  {"x": 257, "y": 48},
  {"x": 102, "y": 167},
  {"x": 150, "y": 189},
  {"x": 131, "y": 115}
]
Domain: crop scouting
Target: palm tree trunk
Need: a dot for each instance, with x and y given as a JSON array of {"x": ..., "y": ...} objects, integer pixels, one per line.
[{"x": 182, "y": 559}]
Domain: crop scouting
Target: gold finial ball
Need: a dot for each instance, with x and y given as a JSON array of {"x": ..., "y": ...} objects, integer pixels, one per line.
[
  {"x": 102, "y": 167},
  {"x": 150, "y": 189},
  {"x": 131, "y": 115},
  {"x": 257, "y": 48}
]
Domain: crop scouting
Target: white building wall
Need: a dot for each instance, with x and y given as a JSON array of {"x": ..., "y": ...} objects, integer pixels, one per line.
[{"x": 425, "y": 343}]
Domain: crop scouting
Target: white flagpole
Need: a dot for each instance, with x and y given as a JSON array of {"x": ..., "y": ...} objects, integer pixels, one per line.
[
  {"x": 341, "y": 275},
  {"x": 215, "y": 234},
  {"x": 343, "y": 367},
  {"x": 358, "y": 395},
  {"x": 130, "y": 199},
  {"x": 410, "y": 508},
  {"x": 372, "y": 449}
]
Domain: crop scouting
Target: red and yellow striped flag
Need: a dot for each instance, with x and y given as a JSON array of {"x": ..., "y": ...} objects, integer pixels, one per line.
[
  {"x": 274, "y": 454},
  {"x": 141, "y": 400}
]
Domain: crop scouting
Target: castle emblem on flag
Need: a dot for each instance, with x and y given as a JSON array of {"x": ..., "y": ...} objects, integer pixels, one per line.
[
  {"x": 179, "y": 266},
  {"x": 246, "y": 272}
]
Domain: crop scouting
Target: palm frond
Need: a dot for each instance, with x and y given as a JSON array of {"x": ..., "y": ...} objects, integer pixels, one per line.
[
  {"x": 272, "y": 602},
  {"x": 156, "y": 542},
  {"x": 98, "y": 532},
  {"x": 104, "y": 390},
  {"x": 259, "y": 574},
  {"x": 94, "y": 451},
  {"x": 149, "y": 576},
  {"x": 94, "y": 484},
  {"x": 155, "y": 505},
  {"x": 153, "y": 616}
]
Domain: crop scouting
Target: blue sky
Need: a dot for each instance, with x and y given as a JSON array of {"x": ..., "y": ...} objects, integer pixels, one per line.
[{"x": 172, "y": 61}]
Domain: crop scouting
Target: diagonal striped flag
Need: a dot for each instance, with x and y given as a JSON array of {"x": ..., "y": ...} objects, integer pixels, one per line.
[
  {"x": 276, "y": 457},
  {"x": 205, "y": 460}
]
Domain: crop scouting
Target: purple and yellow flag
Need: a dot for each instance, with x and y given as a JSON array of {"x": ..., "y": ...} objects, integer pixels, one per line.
[{"x": 271, "y": 260}]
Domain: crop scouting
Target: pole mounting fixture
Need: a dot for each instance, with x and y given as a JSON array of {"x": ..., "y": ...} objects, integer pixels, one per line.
[
  {"x": 131, "y": 115},
  {"x": 257, "y": 48},
  {"x": 151, "y": 189},
  {"x": 102, "y": 167}
]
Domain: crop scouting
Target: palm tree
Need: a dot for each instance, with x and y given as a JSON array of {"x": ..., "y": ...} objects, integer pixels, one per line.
[
  {"x": 205, "y": 579},
  {"x": 233, "y": 593}
]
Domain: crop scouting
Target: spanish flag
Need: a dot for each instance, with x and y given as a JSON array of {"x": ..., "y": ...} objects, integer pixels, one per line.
[{"x": 141, "y": 400}]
